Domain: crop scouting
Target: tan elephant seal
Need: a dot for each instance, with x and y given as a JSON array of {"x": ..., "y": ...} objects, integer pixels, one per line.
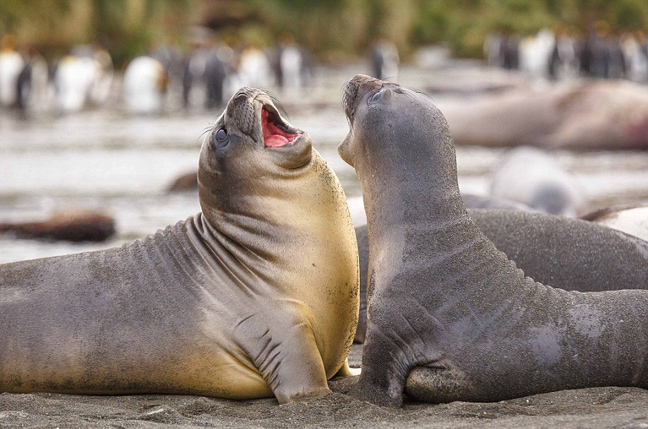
[{"x": 255, "y": 296}]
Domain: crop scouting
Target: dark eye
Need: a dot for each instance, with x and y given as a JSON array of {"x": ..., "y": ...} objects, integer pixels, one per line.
[
  {"x": 221, "y": 135},
  {"x": 381, "y": 96}
]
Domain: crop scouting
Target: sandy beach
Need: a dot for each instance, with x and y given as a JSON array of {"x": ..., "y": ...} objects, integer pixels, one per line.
[{"x": 609, "y": 407}]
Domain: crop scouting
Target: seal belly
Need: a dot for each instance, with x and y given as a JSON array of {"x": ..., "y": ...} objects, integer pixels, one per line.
[{"x": 227, "y": 377}]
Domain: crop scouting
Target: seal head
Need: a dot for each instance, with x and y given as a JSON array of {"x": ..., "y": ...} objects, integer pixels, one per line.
[{"x": 250, "y": 135}]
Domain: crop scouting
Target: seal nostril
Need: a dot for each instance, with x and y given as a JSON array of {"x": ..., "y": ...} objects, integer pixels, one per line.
[{"x": 348, "y": 101}]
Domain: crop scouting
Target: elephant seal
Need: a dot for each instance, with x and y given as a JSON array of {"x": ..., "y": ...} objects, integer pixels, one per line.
[
  {"x": 550, "y": 249},
  {"x": 629, "y": 218},
  {"x": 187, "y": 182},
  {"x": 70, "y": 225},
  {"x": 255, "y": 295},
  {"x": 472, "y": 201},
  {"x": 531, "y": 176},
  {"x": 590, "y": 115},
  {"x": 450, "y": 317}
]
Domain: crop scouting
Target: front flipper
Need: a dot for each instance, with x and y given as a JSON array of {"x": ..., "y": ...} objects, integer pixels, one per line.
[
  {"x": 291, "y": 364},
  {"x": 347, "y": 371},
  {"x": 438, "y": 385},
  {"x": 384, "y": 373},
  {"x": 395, "y": 346}
]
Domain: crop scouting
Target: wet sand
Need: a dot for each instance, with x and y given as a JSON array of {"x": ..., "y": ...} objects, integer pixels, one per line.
[{"x": 609, "y": 407}]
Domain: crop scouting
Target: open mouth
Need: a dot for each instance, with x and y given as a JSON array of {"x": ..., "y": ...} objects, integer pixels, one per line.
[{"x": 277, "y": 133}]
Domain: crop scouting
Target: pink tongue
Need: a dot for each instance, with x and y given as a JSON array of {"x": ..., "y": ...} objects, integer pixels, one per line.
[{"x": 273, "y": 136}]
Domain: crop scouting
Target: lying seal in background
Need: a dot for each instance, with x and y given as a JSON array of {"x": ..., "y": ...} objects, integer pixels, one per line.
[
  {"x": 630, "y": 218},
  {"x": 70, "y": 225},
  {"x": 533, "y": 177},
  {"x": 573, "y": 253},
  {"x": 474, "y": 201},
  {"x": 359, "y": 217},
  {"x": 593, "y": 115},
  {"x": 254, "y": 296},
  {"x": 450, "y": 317},
  {"x": 187, "y": 182}
]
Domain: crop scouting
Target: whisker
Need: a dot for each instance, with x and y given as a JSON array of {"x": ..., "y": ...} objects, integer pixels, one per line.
[
  {"x": 205, "y": 130},
  {"x": 278, "y": 104},
  {"x": 425, "y": 94}
]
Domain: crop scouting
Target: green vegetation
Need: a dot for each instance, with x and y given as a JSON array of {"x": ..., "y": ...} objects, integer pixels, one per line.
[
  {"x": 464, "y": 23},
  {"x": 333, "y": 29}
]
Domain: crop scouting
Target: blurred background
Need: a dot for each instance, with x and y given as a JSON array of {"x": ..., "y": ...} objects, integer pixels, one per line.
[
  {"x": 333, "y": 30},
  {"x": 103, "y": 103}
]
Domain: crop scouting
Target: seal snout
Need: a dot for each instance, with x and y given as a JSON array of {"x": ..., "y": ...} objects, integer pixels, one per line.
[
  {"x": 355, "y": 89},
  {"x": 240, "y": 111},
  {"x": 252, "y": 110}
]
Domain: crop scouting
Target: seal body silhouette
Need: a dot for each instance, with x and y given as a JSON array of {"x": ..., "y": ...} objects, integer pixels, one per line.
[
  {"x": 588, "y": 115},
  {"x": 450, "y": 317},
  {"x": 255, "y": 296}
]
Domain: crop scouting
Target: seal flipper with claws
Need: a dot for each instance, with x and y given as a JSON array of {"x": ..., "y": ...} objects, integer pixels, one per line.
[
  {"x": 255, "y": 296},
  {"x": 449, "y": 316}
]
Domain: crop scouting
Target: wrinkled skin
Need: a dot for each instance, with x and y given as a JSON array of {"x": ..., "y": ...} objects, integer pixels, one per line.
[
  {"x": 450, "y": 317},
  {"x": 572, "y": 253},
  {"x": 255, "y": 296}
]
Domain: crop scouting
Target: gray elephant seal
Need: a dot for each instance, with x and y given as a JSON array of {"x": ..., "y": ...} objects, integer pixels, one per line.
[
  {"x": 255, "y": 296},
  {"x": 473, "y": 201},
  {"x": 450, "y": 317},
  {"x": 531, "y": 176},
  {"x": 359, "y": 217},
  {"x": 550, "y": 249}
]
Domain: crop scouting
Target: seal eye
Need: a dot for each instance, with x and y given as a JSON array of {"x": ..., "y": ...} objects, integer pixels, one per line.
[
  {"x": 221, "y": 136},
  {"x": 383, "y": 95}
]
